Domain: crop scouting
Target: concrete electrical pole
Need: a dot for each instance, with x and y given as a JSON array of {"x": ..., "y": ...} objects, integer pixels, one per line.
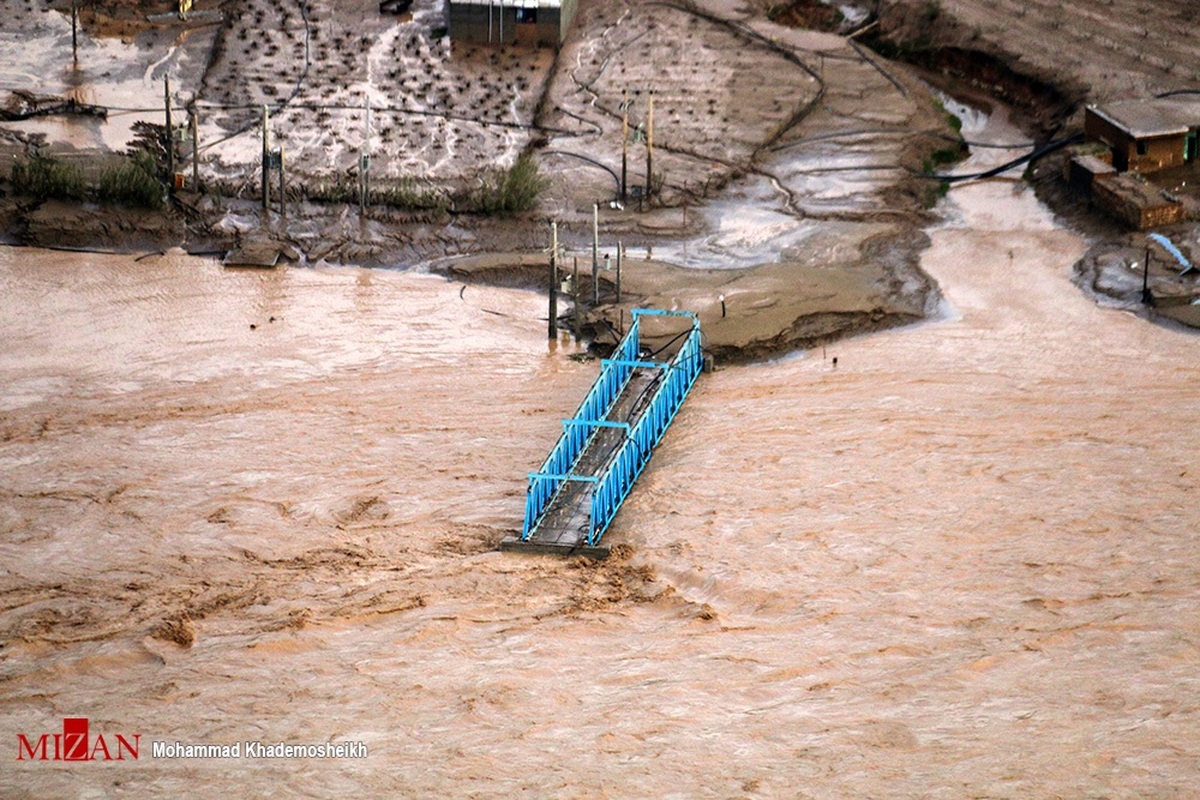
[
  {"x": 650, "y": 145},
  {"x": 624, "y": 141},
  {"x": 552, "y": 327},
  {"x": 266, "y": 162},
  {"x": 170, "y": 134}
]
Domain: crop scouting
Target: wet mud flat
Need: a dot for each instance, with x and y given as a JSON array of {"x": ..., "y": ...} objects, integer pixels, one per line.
[
  {"x": 747, "y": 313},
  {"x": 1115, "y": 272}
]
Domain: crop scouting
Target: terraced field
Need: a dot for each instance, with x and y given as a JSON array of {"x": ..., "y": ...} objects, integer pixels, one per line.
[
  {"x": 721, "y": 92},
  {"x": 1093, "y": 51},
  {"x": 439, "y": 112}
]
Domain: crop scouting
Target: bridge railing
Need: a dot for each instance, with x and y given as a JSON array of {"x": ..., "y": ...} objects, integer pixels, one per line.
[
  {"x": 617, "y": 478},
  {"x": 579, "y": 429}
]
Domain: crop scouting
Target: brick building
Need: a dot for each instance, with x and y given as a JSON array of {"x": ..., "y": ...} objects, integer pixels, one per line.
[{"x": 1147, "y": 135}]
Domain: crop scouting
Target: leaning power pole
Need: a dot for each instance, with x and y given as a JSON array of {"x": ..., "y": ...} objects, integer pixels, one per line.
[
  {"x": 650, "y": 145},
  {"x": 552, "y": 327},
  {"x": 194, "y": 120},
  {"x": 266, "y": 162},
  {"x": 624, "y": 140},
  {"x": 170, "y": 135}
]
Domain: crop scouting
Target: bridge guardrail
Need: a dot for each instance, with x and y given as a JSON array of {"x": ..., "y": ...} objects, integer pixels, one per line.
[
  {"x": 622, "y": 470},
  {"x": 557, "y": 468},
  {"x": 616, "y": 478}
]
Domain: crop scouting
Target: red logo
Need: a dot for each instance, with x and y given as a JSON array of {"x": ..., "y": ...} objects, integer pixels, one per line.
[{"x": 75, "y": 744}]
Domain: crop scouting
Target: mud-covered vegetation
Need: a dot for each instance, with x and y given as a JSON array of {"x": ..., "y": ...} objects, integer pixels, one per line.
[
  {"x": 132, "y": 182},
  {"x": 510, "y": 191},
  {"x": 45, "y": 178}
]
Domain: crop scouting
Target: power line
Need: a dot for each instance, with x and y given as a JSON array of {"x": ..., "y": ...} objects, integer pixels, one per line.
[{"x": 400, "y": 110}]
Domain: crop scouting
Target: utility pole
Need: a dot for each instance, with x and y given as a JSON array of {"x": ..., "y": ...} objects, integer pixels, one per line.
[
  {"x": 74, "y": 32},
  {"x": 266, "y": 163},
  {"x": 195, "y": 125},
  {"x": 282, "y": 200},
  {"x": 618, "y": 272},
  {"x": 650, "y": 146},
  {"x": 170, "y": 135},
  {"x": 1147, "y": 297},
  {"x": 552, "y": 327},
  {"x": 575, "y": 297},
  {"x": 595, "y": 250},
  {"x": 624, "y": 140},
  {"x": 364, "y": 161}
]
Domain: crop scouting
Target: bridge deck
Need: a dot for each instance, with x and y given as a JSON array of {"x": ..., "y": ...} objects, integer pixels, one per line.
[{"x": 564, "y": 526}]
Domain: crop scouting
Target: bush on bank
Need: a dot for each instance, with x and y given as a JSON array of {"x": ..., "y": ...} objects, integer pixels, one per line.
[
  {"x": 510, "y": 191},
  {"x": 45, "y": 178},
  {"x": 133, "y": 182}
]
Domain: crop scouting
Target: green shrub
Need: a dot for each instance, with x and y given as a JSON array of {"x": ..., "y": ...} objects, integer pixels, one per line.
[
  {"x": 152, "y": 140},
  {"x": 132, "y": 183},
  {"x": 944, "y": 155},
  {"x": 510, "y": 191},
  {"x": 934, "y": 192},
  {"x": 46, "y": 178},
  {"x": 952, "y": 119}
]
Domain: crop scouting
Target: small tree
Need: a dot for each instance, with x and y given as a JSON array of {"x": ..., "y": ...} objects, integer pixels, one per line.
[{"x": 153, "y": 140}]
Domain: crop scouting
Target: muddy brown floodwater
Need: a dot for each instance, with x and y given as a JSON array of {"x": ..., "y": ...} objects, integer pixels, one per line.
[{"x": 961, "y": 564}]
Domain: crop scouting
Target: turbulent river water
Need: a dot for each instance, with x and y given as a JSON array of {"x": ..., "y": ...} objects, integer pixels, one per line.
[{"x": 263, "y": 506}]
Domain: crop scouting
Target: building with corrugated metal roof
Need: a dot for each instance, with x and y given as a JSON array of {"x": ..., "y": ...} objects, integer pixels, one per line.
[
  {"x": 1147, "y": 135},
  {"x": 527, "y": 22}
]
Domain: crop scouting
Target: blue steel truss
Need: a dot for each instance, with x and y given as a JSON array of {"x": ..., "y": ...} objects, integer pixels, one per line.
[{"x": 613, "y": 482}]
